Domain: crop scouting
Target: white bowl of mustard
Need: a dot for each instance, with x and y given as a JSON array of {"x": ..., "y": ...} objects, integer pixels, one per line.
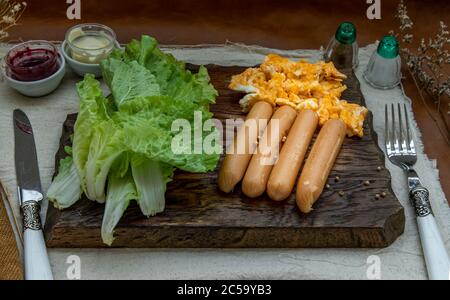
[{"x": 86, "y": 45}]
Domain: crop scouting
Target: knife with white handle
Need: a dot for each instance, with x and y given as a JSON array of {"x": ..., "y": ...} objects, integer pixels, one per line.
[{"x": 37, "y": 265}]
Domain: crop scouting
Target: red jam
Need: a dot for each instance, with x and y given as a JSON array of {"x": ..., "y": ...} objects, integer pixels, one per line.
[{"x": 31, "y": 62}]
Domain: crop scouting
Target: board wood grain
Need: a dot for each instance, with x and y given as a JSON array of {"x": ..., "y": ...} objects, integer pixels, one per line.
[{"x": 198, "y": 215}]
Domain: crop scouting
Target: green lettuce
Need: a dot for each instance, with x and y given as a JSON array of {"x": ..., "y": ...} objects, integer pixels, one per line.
[
  {"x": 123, "y": 144},
  {"x": 139, "y": 81},
  {"x": 92, "y": 112},
  {"x": 170, "y": 74},
  {"x": 121, "y": 191},
  {"x": 66, "y": 187},
  {"x": 150, "y": 177}
]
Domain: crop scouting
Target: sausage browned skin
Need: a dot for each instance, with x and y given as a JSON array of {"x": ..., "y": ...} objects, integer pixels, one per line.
[
  {"x": 284, "y": 174},
  {"x": 235, "y": 162},
  {"x": 257, "y": 175},
  {"x": 319, "y": 163}
]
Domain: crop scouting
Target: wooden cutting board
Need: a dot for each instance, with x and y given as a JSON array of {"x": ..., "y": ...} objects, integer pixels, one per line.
[{"x": 198, "y": 215}]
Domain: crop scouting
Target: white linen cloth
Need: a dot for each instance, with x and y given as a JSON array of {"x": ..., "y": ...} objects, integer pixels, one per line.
[{"x": 402, "y": 260}]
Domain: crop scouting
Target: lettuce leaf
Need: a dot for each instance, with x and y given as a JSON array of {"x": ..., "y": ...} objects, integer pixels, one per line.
[
  {"x": 150, "y": 177},
  {"x": 121, "y": 191},
  {"x": 139, "y": 81},
  {"x": 65, "y": 189},
  {"x": 106, "y": 145},
  {"x": 171, "y": 75},
  {"x": 149, "y": 132},
  {"x": 92, "y": 111}
]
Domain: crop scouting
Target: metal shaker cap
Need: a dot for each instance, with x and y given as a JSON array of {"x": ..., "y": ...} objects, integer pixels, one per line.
[
  {"x": 346, "y": 33},
  {"x": 388, "y": 47}
]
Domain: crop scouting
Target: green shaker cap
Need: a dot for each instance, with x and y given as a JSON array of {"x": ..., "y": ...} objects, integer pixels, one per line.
[
  {"x": 346, "y": 33},
  {"x": 388, "y": 47}
]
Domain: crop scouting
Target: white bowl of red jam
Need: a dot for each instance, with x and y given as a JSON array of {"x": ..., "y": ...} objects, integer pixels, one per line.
[{"x": 34, "y": 68}]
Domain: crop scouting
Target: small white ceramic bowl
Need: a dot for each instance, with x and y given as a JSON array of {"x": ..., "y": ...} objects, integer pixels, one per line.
[
  {"x": 78, "y": 67},
  {"x": 41, "y": 87}
]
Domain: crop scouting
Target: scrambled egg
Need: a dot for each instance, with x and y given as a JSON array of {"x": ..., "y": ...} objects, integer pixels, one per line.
[{"x": 301, "y": 85}]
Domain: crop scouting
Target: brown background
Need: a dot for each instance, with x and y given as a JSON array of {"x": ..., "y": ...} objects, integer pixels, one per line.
[{"x": 279, "y": 24}]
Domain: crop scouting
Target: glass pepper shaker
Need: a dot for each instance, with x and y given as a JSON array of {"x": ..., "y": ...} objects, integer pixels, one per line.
[
  {"x": 342, "y": 49},
  {"x": 384, "y": 68}
]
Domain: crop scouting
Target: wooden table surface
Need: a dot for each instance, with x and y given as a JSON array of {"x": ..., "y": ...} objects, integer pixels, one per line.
[{"x": 280, "y": 24}]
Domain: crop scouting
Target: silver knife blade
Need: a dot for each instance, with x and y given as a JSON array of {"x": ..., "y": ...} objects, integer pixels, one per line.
[{"x": 27, "y": 168}]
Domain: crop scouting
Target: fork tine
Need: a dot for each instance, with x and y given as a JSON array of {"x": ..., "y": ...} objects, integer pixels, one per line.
[
  {"x": 409, "y": 141},
  {"x": 389, "y": 133},
  {"x": 394, "y": 135},
  {"x": 402, "y": 135}
]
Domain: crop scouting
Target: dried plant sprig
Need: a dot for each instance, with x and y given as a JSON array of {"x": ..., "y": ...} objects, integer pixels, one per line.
[
  {"x": 429, "y": 63},
  {"x": 10, "y": 13}
]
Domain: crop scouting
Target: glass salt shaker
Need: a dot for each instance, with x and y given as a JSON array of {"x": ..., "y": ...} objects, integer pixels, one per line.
[
  {"x": 384, "y": 68},
  {"x": 342, "y": 49}
]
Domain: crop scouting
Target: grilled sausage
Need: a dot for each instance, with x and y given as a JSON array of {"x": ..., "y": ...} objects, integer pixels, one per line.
[
  {"x": 258, "y": 172},
  {"x": 319, "y": 163},
  {"x": 243, "y": 146},
  {"x": 284, "y": 174}
]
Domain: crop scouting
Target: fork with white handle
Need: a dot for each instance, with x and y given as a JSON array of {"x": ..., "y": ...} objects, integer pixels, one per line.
[{"x": 401, "y": 152}]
